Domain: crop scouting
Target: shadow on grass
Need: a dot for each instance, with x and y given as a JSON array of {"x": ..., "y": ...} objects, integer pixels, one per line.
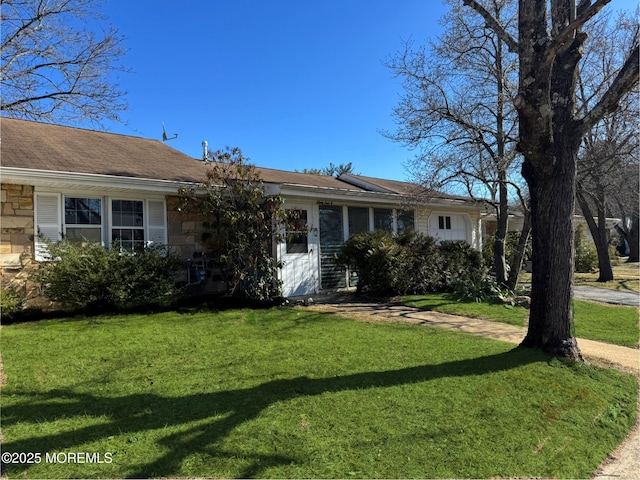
[{"x": 226, "y": 410}]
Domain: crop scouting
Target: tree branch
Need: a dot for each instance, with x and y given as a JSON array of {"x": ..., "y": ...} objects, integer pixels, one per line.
[
  {"x": 623, "y": 83},
  {"x": 511, "y": 42},
  {"x": 586, "y": 11}
]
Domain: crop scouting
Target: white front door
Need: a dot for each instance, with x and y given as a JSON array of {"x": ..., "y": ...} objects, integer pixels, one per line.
[{"x": 299, "y": 253}]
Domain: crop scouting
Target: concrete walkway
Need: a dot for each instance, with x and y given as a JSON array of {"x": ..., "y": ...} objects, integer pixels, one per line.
[{"x": 624, "y": 463}]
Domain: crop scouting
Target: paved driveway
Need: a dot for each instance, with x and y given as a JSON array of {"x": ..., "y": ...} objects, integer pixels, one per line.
[{"x": 606, "y": 295}]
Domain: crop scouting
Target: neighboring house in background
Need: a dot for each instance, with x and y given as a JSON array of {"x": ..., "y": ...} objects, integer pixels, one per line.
[{"x": 62, "y": 182}]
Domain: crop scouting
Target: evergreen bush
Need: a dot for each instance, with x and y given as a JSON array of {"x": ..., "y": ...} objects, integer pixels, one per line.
[
  {"x": 88, "y": 276},
  {"x": 460, "y": 263},
  {"x": 376, "y": 257},
  {"x": 409, "y": 263},
  {"x": 11, "y": 302}
]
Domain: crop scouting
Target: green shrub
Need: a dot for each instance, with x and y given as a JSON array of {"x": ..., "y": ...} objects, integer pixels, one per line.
[
  {"x": 460, "y": 262},
  {"x": 410, "y": 263},
  {"x": 613, "y": 255},
  {"x": 376, "y": 257},
  {"x": 586, "y": 255},
  {"x": 11, "y": 302},
  {"x": 87, "y": 275},
  {"x": 421, "y": 264},
  {"x": 479, "y": 290},
  {"x": 241, "y": 223}
]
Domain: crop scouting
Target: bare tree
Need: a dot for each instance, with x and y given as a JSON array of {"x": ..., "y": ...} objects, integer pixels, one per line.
[
  {"x": 608, "y": 158},
  {"x": 53, "y": 69},
  {"x": 549, "y": 45},
  {"x": 627, "y": 201},
  {"x": 332, "y": 170},
  {"x": 457, "y": 112}
]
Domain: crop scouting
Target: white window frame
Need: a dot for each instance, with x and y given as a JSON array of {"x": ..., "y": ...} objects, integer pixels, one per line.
[
  {"x": 65, "y": 225},
  {"x": 49, "y": 217}
]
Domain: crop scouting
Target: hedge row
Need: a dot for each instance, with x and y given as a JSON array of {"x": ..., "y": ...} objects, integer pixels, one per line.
[{"x": 409, "y": 263}]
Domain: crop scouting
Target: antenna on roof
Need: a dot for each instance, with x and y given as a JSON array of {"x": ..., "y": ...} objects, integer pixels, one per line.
[{"x": 164, "y": 134}]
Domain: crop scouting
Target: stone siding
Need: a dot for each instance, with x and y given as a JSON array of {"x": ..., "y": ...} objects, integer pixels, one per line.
[
  {"x": 184, "y": 234},
  {"x": 16, "y": 219},
  {"x": 16, "y": 238}
]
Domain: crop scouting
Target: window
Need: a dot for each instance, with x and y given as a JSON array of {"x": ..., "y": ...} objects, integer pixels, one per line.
[
  {"x": 406, "y": 220},
  {"x": 78, "y": 218},
  {"x": 358, "y": 220},
  {"x": 127, "y": 219},
  {"x": 83, "y": 219},
  {"x": 444, "y": 222},
  {"x": 297, "y": 237},
  {"x": 383, "y": 219}
]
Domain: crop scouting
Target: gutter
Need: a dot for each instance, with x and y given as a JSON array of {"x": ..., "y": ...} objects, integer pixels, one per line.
[{"x": 48, "y": 178}]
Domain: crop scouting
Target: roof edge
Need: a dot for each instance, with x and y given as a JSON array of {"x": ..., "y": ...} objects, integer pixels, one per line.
[{"x": 39, "y": 178}]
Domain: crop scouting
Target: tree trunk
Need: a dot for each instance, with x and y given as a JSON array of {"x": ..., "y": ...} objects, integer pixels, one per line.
[
  {"x": 549, "y": 141},
  {"x": 499, "y": 248},
  {"x": 518, "y": 254},
  {"x": 599, "y": 235},
  {"x": 550, "y": 45},
  {"x": 552, "y": 207}
]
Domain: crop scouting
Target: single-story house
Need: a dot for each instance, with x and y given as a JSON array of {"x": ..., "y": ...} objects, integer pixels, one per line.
[{"x": 63, "y": 182}]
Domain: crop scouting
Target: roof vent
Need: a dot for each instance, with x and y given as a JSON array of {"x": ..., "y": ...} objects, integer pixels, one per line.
[{"x": 205, "y": 150}]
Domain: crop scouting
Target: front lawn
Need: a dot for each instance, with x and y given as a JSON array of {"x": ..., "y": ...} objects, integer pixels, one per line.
[
  {"x": 594, "y": 321},
  {"x": 291, "y": 393},
  {"x": 626, "y": 277}
]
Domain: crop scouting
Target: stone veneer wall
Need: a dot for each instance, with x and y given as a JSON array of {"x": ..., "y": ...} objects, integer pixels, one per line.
[
  {"x": 184, "y": 234},
  {"x": 184, "y": 230},
  {"x": 16, "y": 236},
  {"x": 16, "y": 223}
]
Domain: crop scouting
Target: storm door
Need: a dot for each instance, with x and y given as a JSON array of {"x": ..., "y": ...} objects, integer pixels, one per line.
[
  {"x": 299, "y": 253},
  {"x": 331, "y": 239}
]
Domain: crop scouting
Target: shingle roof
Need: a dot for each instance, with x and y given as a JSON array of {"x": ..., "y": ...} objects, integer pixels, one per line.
[
  {"x": 44, "y": 146},
  {"x": 408, "y": 189},
  {"x": 48, "y": 147}
]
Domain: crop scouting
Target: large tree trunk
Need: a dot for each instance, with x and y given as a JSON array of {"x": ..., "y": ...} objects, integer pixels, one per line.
[
  {"x": 599, "y": 235},
  {"x": 552, "y": 207},
  {"x": 549, "y": 141}
]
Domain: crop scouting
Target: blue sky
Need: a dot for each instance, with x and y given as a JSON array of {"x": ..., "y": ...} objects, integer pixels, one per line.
[{"x": 294, "y": 83}]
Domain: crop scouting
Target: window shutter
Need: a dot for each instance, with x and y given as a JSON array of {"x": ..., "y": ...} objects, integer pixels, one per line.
[
  {"x": 48, "y": 223},
  {"x": 156, "y": 223}
]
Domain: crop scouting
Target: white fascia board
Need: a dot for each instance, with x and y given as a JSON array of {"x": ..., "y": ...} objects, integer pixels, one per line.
[{"x": 87, "y": 181}]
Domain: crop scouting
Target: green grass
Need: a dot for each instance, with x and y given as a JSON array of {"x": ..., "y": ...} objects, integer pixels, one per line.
[
  {"x": 595, "y": 321},
  {"x": 626, "y": 278},
  {"x": 290, "y": 393}
]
